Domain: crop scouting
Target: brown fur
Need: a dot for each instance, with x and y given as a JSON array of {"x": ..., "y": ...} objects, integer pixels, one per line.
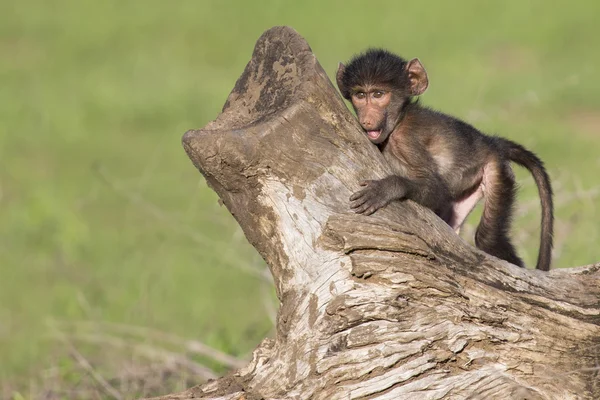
[{"x": 438, "y": 161}]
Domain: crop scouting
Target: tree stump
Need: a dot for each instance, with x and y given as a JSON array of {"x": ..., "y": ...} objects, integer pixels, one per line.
[{"x": 389, "y": 306}]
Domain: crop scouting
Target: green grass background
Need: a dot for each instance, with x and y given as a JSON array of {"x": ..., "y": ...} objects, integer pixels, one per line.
[{"x": 103, "y": 217}]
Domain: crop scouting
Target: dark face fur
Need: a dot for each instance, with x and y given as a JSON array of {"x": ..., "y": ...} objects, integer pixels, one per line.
[{"x": 379, "y": 84}]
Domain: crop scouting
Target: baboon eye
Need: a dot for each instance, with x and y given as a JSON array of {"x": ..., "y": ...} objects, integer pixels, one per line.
[
  {"x": 378, "y": 94},
  {"x": 359, "y": 95}
]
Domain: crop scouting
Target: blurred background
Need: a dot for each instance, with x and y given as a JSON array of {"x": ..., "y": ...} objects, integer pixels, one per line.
[{"x": 120, "y": 275}]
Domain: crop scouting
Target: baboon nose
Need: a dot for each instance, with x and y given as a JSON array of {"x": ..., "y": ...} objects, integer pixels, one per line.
[{"x": 366, "y": 124}]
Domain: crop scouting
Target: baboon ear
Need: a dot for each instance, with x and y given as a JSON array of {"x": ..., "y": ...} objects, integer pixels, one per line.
[
  {"x": 417, "y": 77},
  {"x": 338, "y": 77}
]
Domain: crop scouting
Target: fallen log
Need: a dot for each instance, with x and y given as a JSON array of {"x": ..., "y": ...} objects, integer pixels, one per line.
[{"x": 389, "y": 306}]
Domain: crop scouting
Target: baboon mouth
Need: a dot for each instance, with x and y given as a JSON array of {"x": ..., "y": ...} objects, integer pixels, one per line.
[{"x": 374, "y": 134}]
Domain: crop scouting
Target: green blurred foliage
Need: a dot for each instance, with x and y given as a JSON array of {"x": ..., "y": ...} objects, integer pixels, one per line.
[{"x": 103, "y": 217}]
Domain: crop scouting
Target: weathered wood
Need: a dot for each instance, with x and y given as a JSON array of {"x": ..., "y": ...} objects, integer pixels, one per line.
[{"x": 390, "y": 306}]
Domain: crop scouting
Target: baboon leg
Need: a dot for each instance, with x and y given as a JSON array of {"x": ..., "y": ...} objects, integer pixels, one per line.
[
  {"x": 499, "y": 190},
  {"x": 462, "y": 208}
]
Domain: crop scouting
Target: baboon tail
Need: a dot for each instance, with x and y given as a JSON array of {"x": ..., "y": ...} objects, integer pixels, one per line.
[{"x": 529, "y": 160}]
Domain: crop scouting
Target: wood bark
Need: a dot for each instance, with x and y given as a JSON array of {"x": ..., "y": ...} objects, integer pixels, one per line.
[{"x": 389, "y": 306}]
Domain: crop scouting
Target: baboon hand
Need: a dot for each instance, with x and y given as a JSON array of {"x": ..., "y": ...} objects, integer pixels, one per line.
[{"x": 376, "y": 194}]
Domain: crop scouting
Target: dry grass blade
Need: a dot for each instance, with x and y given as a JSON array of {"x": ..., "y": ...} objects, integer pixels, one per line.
[
  {"x": 192, "y": 346},
  {"x": 87, "y": 367},
  {"x": 150, "y": 352}
]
